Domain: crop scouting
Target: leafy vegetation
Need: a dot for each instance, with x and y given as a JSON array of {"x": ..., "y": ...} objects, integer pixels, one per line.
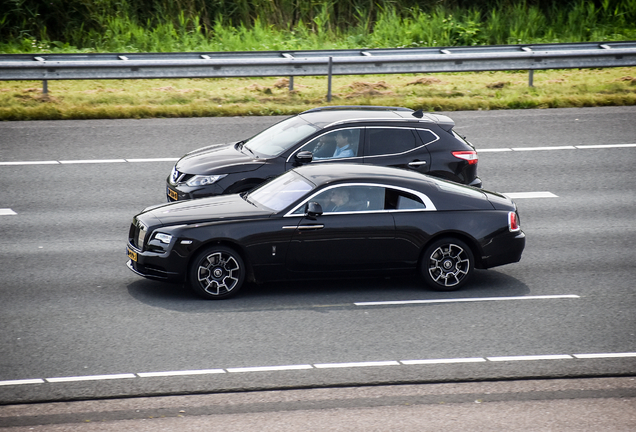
[
  {"x": 36, "y": 26},
  {"x": 245, "y": 25}
]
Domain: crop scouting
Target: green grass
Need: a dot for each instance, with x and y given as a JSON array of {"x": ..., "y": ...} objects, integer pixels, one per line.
[
  {"x": 256, "y": 25},
  {"x": 23, "y": 100}
]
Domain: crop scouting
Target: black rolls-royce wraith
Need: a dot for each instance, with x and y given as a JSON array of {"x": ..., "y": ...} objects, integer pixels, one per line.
[{"x": 328, "y": 220}]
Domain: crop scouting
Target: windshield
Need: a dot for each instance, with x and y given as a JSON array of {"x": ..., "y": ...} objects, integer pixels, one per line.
[
  {"x": 275, "y": 140},
  {"x": 281, "y": 192}
]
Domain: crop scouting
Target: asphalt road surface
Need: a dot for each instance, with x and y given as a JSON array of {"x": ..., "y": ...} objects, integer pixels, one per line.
[{"x": 77, "y": 324}]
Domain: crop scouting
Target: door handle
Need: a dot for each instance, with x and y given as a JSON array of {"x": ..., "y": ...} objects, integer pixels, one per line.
[{"x": 417, "y": 163}]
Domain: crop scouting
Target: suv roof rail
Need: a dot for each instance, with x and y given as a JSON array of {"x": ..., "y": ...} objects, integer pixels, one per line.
[{"x": 357, "y": 107}]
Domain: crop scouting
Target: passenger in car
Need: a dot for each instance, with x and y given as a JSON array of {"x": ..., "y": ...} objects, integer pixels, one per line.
[
  {"x": 344, "y": 145},
  {"x": 338, "y": 200}
]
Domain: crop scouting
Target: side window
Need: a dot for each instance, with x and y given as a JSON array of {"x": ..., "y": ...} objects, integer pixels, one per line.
[
  {"x": 401, "y": 200},
  {"x": 426, "y": 135},
  {"x": 352, "y": 198},
  {"x": 338, "y": 144},
  {"x": 385, "y": 141}
]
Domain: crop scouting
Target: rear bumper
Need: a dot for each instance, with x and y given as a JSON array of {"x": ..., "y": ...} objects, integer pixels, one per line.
[{"x": 506, "y": 250}]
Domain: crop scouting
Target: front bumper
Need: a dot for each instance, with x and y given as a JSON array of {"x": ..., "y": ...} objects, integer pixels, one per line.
[
  {"x": 167, "y": 267},
  {"x": 184, "y": 192}
]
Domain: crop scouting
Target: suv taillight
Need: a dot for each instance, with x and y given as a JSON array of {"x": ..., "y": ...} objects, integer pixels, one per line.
[
  {"x": 469, "y": 156},
  {"x": 513, "y": 222}
]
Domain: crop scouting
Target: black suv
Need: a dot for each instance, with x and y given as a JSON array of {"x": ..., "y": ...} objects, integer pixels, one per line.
[{"x": 388, "y": 136}]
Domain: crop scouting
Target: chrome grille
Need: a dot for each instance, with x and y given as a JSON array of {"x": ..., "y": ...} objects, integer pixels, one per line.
[
  {"x": 141, "y": 234},
  {"x": 137, "y": 234}
]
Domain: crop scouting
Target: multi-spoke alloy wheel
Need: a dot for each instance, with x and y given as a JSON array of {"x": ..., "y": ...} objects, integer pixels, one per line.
[
  {"x": 447, "y": 264},
  {"x": 217, "y": 273}
]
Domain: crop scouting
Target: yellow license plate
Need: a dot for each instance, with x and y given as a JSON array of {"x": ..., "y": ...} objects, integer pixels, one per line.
[
  {"x": 132, "y": 254},
  {"x": 173, "y": 194}
]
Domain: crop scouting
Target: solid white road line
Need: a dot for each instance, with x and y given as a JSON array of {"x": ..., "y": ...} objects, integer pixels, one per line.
[
  {"x": 465, "y": 300},
  {"x": 7, "y": 212}
]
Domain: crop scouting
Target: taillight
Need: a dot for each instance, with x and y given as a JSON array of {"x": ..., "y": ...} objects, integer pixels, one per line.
[
  {"x": 513, "y": 222},
  {"x": 469, "y": 156}
]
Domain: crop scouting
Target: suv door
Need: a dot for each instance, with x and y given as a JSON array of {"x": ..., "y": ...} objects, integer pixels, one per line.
[{"x": 396, "y": 147}]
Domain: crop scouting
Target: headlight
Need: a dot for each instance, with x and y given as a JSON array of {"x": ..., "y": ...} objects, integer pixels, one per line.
[
  {"x": 163, "y": 238},
  {"x": 203, "y": 180}
]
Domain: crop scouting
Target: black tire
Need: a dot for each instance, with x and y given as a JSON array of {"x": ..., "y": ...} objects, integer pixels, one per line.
[
  {"x": 447, "y": 264},
  {"x": 217, "y": 273}
]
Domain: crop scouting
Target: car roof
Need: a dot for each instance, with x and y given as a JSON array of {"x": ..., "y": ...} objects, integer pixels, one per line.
[
  {"x": 331, "y": 115},
  {"x": 324, "y": 173}
]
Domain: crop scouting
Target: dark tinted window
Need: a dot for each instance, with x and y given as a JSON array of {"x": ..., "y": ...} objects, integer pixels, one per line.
[
  {"x": 400, "y": 200},
  {"x": 383, "y": 141},
  {"x": 426, "y": 135}
]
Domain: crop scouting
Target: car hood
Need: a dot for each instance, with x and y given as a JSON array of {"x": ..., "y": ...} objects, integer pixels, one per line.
[
  {"x": 217, "y": 208},
  {"x": 218, "y": 159}
]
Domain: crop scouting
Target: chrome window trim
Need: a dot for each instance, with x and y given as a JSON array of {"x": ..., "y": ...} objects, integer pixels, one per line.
[
  {"x": 405, "y": 152},
  {"x": 429, "y": 206}
]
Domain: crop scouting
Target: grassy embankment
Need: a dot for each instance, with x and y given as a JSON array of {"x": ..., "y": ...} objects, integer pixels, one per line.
[{"x": 116, "y": 26}]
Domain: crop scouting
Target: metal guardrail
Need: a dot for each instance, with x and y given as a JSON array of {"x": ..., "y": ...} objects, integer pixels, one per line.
[{"x": 316, "y": 63}]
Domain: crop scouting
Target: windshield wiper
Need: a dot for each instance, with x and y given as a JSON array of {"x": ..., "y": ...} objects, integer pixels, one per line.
[
  {"x": 244, "y": 196},
  {"x": 242, "y": 146}
]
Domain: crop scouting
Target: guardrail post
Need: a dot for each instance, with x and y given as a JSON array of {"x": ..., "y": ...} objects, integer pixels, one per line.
[
  {"x": 531, "y": 78},
  {"x": 329, "y": 79},
  {"x": 291, "y": 83},
  {"x": 45, "y": 86}
]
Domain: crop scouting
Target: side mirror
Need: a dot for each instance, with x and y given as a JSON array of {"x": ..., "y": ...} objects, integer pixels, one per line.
[
  {"x": 313, "y": 209},
  {"x": 304, "y": 157}
]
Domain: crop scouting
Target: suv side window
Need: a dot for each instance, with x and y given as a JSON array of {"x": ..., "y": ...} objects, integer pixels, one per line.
[
  {"x": 427, "y": 136},
  {"x": 386, "y": 141},
  {"x": 338, "y": 144}
]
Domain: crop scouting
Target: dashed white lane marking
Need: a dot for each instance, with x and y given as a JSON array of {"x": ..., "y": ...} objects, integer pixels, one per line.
[
  {"x": 356, "y": 364},
  {"x": 530, "y": 357},
  {"x": 7, "y": 212},
  {"x": 579, "y": 147},
  {"x": 450, "y": 361},
  {"x": 90, "y": 378},
  {"x": 269, "y": 368},
  {"x": 174, "y": 159},
  {"x": 88, "y": 161},
  {"x": 180, "y": 373},
  {"x": 443, "y": 361},
  {"x": 464, "y": 300},
  {"x": 604, "y": 355},
  {"x": 523, "y": 195},
  {"x": 22, "y": 382}
]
